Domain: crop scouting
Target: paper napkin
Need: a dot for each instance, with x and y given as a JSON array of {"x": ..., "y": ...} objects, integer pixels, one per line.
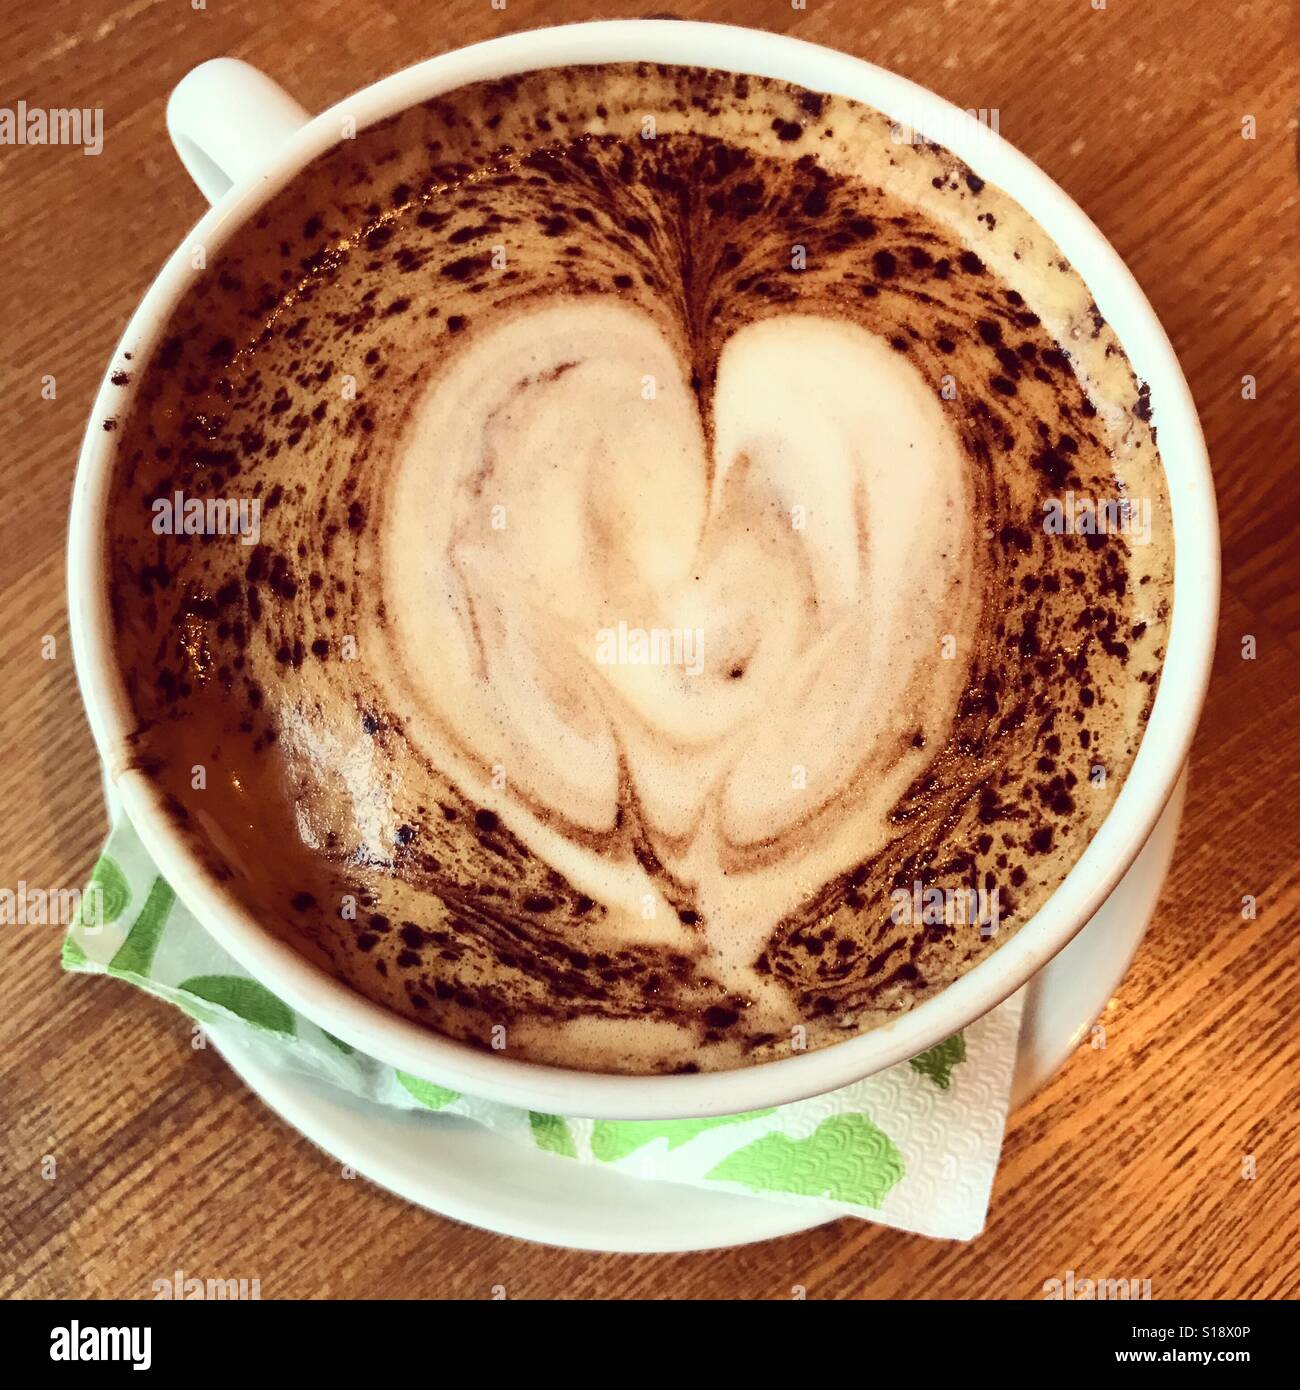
[{"x": 914, "y": 1147}]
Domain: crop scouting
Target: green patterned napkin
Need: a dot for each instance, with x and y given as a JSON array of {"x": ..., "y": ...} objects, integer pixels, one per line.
[{"x": 914, "y": 1147}]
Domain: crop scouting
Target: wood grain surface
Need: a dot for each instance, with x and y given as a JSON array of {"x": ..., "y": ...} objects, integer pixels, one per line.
[{"x": 1130, "y": 1164}]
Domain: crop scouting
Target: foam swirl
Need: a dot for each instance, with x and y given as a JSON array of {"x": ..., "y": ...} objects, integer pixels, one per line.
[{"x": 544, "y": 496}]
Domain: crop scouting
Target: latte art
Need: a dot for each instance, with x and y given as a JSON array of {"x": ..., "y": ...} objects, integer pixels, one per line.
[
  {"x": 786, "y": 539},
  {"x": 651, "y": 589}
]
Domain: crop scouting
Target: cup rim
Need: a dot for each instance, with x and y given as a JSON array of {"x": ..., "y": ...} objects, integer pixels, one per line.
[{"x": 1162, "y": 749}]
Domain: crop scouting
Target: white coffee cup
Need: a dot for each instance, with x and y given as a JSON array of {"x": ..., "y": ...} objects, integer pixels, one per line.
[{"x": 242, "y": 139}]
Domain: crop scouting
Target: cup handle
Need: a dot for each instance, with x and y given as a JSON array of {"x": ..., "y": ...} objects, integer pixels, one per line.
[{"x": 226, "y": 120}]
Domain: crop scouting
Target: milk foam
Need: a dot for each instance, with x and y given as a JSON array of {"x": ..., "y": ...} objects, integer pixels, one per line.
[{"x": 557, "y": 479}]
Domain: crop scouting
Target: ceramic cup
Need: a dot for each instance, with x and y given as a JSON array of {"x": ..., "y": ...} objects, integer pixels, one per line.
[{"x": 243, "y": 139}]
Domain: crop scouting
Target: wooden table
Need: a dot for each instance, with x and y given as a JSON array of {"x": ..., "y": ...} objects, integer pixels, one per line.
[{"x": 1130, "y": 1164}]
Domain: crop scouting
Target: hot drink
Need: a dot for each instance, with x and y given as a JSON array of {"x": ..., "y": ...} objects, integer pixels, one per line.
[{"x": 705, "y": 568}]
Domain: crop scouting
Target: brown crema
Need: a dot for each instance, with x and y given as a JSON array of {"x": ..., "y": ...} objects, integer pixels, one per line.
[{"x": 561, "y": 358}]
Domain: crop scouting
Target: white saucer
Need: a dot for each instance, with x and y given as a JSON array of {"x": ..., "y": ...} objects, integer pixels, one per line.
[{"x": 452, "y": 1166}]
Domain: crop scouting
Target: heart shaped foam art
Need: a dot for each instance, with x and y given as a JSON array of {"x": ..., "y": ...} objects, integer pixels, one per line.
[{"x": 559, "y": 486}]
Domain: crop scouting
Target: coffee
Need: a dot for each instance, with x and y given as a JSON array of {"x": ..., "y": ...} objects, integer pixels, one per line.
[{"x": 696, "y": 609}]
